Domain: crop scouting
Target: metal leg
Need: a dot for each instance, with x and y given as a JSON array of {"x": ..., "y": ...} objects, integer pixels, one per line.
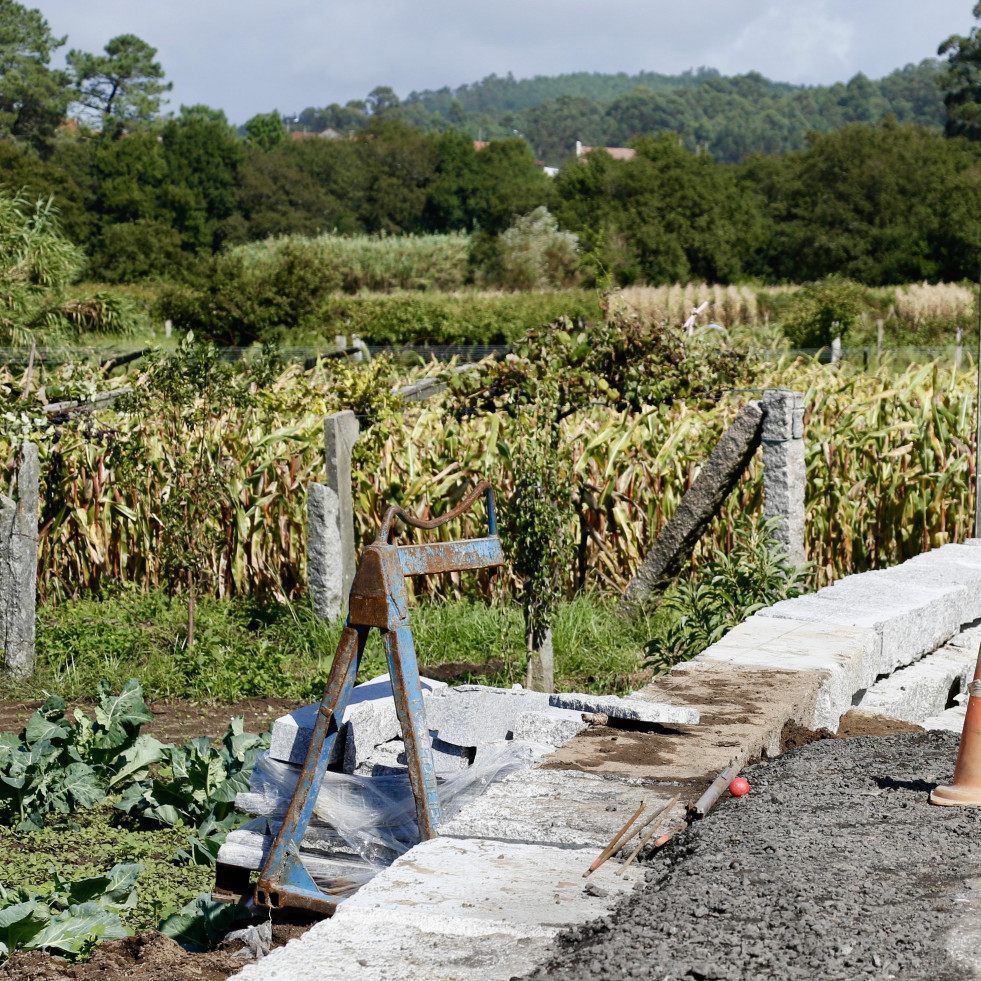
[
  {"x": 404, "y": 672},
  {"x": 284, "y": 880}
]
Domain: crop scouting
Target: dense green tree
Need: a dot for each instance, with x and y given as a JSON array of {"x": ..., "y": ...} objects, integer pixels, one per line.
[
  {"x": 882, "y": 204},
  {"x": 399, "y": 165},
  {"x": 381, "y": 100},
  {"x": 124, "y": 85},
  {"x": 64, "y": 177},
  {"x": 266, "y": 130},
  {"x": 306, "y": 187},
  {"x": 203, "y": 155},
  {"x": 961, "y": 81},
  {"x": 344, "y": 119},
  {"x": 483, "y": 189},
  {"x": 668, "y": 215},
  {"x": 33, "y": 97}
]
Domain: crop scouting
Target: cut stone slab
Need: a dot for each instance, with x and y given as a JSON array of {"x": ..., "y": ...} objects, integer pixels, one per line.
[
  {"x": 559, "y": 807},
  {"x": 700, "y": 504},
  {"x": 742, "y": 712},
  {"x": 291, "y": 733},
  {"x": 630, "y": 709},
  {"x": 248, "y": 848},
  {"x": 932, "y": 569},
  {"x": 555, "y": 727},
  {"x": 907, "y": 626},
  {"x": 452, "y": 909},
  {"x": 469, "y": 715},
  {"x": 844, "y": 654},
  {"x": 951, "y": 720},
  {"x": 922, "y": 690}
]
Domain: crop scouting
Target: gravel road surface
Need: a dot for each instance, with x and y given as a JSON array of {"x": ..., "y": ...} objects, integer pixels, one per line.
[{"x": 833, "y": 867}]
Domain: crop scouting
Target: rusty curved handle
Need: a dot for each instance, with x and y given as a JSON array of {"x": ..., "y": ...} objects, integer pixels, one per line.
[{"x": 388, "y": 519}]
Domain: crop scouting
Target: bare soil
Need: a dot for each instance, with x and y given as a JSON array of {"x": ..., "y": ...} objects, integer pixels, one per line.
[
  {"x": 175, "y": 720},
  {"x": 151, "y": 956}
]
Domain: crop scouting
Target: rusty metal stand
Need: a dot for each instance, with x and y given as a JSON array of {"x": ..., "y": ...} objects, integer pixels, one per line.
[{"x": 378, "y": 599}]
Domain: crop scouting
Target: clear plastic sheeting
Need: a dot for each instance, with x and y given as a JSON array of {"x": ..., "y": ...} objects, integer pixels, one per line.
[{"x": 375, "y": 817}]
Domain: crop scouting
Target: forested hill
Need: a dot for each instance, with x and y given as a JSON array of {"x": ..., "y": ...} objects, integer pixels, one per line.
[
  {"x": 498, "y": 95},
  {"x": 730, "y": 117}
]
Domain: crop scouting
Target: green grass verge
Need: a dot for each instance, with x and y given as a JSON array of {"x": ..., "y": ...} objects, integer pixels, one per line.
[{"x": 245, "y": 649}]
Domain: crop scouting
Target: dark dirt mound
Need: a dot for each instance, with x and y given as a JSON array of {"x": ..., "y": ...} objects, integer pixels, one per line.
[
  {"x": 852, "y": 724},
  {"x": 150, "y": 956},
  {"x": 835, "y": 866}
]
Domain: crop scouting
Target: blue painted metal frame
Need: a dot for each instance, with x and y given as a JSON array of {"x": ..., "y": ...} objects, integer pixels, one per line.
[{"x": 378, "y": 599}]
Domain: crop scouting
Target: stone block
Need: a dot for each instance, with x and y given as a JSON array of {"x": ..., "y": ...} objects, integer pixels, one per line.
[
  {"x": 325, "y": 562},
  {"x": 452, "y": 909},
  {"x": 909, "y": 620},
  {"x": 340, "y": 434},
  {"x": 950, "y": 720},
  {"x": 554, "y": 727},
  {"x": 371, "y": 704},
  {"x": 630, "y": 709},
  {"x": 842, "y": 652},
  {"x": 921, "y": 690},
  {"x": 18, "y": 567},
  {"x": 784, "y": 469},
  {"x": 469, "y": 715},
  {"x": 557, "y": 807},
  {"x": 700, "y": 504}
]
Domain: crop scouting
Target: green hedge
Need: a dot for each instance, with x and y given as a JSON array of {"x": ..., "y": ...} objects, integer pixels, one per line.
[{"x": 441, "y": 318}]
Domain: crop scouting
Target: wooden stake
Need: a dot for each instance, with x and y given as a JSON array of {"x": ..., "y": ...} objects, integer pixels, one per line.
[
  {"x": 615, "y": 842},
  {"x": 655, "y": 820}
]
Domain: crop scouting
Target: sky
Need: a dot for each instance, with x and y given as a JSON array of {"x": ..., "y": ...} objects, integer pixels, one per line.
[{"x": 251, "y": 56}]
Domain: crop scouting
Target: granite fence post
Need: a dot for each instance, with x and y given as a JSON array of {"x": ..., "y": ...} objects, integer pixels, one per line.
[
  {"x": 331, "y": 557},
  {"x": 701, "y": 503},
  {"x": 784, "y": 470},
  {"x": 18, "y": 567}
]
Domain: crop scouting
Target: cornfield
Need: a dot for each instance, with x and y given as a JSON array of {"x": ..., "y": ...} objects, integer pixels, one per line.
[
  {"x": 727, "y": 305},
  {"x": 890, "y": 466},
  {"x": 368, "y": 262},
  {"x": 921, "y": 303}
]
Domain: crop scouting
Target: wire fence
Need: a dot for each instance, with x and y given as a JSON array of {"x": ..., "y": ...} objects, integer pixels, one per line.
[{"x": 408, "y": 354}]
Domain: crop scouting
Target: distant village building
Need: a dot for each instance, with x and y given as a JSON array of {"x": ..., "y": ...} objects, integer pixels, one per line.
[
  {"x": 617, "y": 152},
  {"x": 327, "y": 134}
]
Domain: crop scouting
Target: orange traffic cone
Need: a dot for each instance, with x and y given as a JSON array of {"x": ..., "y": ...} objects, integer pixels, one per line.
[{"x": 966, "y": 788}]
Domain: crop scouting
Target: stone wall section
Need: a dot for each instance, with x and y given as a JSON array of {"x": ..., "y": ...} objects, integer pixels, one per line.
[{"x": 18, "y": 567}]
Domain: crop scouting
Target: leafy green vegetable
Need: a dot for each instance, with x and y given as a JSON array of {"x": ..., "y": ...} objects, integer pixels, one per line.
[
  {"x": 202, "y": 923},
  {"x": 55, "y": 766},
  {"x": 199, "y": 789},
  {"x": 72, "y": 918}
]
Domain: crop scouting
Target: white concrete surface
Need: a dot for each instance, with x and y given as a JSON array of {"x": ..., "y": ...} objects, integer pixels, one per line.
[
  {"x": 452, "y": 910},
  {"x": 558, "y": 807}
]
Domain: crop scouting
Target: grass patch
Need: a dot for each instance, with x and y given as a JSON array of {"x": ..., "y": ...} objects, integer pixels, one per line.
[
  {"x": 250, "y": 649},
  {"x": 90, "y": 843}
]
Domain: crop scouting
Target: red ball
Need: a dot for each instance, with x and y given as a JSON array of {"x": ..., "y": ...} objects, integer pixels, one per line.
[{"x": 739, "y": 787}]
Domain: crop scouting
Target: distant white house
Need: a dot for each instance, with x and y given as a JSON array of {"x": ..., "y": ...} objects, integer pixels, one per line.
[{"x": 617, "y": 152}]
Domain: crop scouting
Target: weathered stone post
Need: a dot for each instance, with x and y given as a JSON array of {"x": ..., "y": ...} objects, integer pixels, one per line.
[
  {"x": 701, "y": 503},
  {"x": 18, "y": 567},
  {"x": 330, "y": 521},
  {"x": 784, "y": 471}
]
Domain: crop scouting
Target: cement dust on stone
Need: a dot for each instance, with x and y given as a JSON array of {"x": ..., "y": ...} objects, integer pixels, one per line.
[
  {"x": 835, "y": 867},
  {"x": 600, "y": 745}
]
